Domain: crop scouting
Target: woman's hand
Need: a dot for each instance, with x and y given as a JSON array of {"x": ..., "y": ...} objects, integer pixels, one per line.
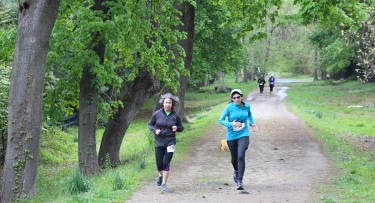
[
  {"x": 236, "y": 124},
  {"x": 174, "y": 128},
  {"x": 254, "y": 127},
  {"x": 157, "y": 131}
]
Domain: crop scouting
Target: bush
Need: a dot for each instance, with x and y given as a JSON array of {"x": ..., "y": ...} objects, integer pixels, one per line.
[
  {"x": 222, "y": 89},
  {"x": 77, "y": 183}
]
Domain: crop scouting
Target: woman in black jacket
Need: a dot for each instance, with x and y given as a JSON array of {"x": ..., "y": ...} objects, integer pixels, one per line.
[
  {"x": 164, "y": 123},
  {"x": 261, "y": 83}
]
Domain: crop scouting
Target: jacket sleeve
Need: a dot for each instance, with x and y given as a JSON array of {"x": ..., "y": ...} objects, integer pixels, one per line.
[
  {"x": 179, "y": 125},
  {"x": 222, "y": 120},
  {"x": 250, "y": 117},
  {"x": 151, "y": 123}
]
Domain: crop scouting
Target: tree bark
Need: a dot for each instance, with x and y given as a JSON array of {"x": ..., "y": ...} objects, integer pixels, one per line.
[
  {"x": 187, "y": 18},
  {"x": 268, "y": 47},
  {"x": 35, "y": 23},
  {"x": 88, "y": 104},
  {"x": 88, "y": 101},
  {"x": 144, "y": 86}
]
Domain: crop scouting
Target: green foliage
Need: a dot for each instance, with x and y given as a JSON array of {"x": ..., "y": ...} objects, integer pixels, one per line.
[
  {"x": 77, "y": 183},
  {"x": 57, "y": 147},
  {"x": 319, "y": 114},
  {"x": 255, "y": 14},
  {"x": 7, "y": 44},
  {"x": 8, "y": 14},
  {"x": 332, "y": 14},
  {"x": 285, "y": 51},
  {"x": 118, "y": 181},
  {"x": 142, "y": 162},
  {"x": 336, "y": 53},
  {"x": 200, "y": 116},
  {"x": 363, "y": 38},
  {"x": 215, "y": 47},
  {"x": 137, "y": 38},
  {"x": 4, "y": 96},
  {"x": 347, "y": 34},
  {"x": 150, "y": 138}
]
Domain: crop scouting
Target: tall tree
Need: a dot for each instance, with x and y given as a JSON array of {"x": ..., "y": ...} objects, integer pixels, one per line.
[
  {"x": 143, "y": 87},
  {"x": 88, "y": 102},
  {"x": 187, "y": 18},
  {"x": 152, "y": 68},
  {"x": 35, "y": 22},
  {"x": 215, "y": 48}
]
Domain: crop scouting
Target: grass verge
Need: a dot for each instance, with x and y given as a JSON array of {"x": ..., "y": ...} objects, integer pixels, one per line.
[{"x": 341, "y": 116}]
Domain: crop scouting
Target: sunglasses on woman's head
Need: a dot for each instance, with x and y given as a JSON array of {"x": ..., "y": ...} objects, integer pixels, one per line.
[{"x": 238, "y": 97}]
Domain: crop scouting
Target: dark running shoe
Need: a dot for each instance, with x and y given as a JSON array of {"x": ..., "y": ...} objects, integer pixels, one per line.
[
  {"x": 235, "y": 176},
  {"x": 159, "y": 180},
  {"x": 240, "y": 185}
]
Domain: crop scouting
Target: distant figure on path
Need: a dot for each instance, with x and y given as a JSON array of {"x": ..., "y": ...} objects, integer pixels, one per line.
[
  {"x": 271, "y": 80},
  {"x": 238, "y": 135},
  {"x": 261, "y": 83},
  {"x": 164, "y": 123}
]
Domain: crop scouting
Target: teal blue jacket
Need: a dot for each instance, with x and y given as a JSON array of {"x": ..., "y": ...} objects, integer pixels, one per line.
[{"x": 240, "y": 114}]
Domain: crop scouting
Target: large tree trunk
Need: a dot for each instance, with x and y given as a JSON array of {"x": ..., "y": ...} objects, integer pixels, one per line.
[
  {"x": 268, "y": 47},
  {"x": 187, "y": 18},
  {"x": 35, "y": 23},
  {"x": 88, "y": 103},
  {"x": 144, "y": 86}
]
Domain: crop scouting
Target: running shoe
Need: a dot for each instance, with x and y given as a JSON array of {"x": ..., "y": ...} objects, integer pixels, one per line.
[
  {"x": 235, "y": 176},
  {"x": 240, "y": 185},
  {"x": 164, "y": 187},
  {"x": 159, "y": 180}
]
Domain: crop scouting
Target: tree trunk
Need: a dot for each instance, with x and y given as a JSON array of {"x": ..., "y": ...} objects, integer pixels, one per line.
[
  {"x": 316, "y": 64},
  {"x": 88, "y": 104},
  {"x": 20, "y": 172},
  {"x": 88, "y": 101},
  {"x": 244, "y": 73},
  {"x": 218, "y": 77},
  {"x": 144, "y": 86},
  {"x": 268, "y": 47},
  {"x": 187, "y": 18}
]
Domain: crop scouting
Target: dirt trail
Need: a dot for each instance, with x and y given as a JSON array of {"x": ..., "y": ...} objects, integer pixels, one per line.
[{"x": 283, "y": 162}]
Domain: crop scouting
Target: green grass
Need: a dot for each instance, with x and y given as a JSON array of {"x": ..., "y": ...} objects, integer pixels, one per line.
[
  {"x": 324, "y": 107},
  {"x": 58, "y": 180}
]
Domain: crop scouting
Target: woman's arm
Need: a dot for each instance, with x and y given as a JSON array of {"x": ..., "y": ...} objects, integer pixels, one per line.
[
  {"x": 222, "y": 120},
  {"x": 179, "y": 125},
  {"x": 151, "y": 123}
]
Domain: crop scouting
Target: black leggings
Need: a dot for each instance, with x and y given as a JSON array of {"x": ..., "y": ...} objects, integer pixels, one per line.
[
  {"x": 237, "y": 149},
  {"x": 261, "y": 87},
  {"x": 271, "y": 88},
  {"x": 163, "y": 158}
]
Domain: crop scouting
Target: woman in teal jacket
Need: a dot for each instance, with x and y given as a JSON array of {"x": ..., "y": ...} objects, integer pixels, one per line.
[{"x": 239, "y": 118}]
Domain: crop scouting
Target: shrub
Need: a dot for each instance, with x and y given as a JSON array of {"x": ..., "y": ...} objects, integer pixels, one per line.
[{"x": 77, "y": 183}]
